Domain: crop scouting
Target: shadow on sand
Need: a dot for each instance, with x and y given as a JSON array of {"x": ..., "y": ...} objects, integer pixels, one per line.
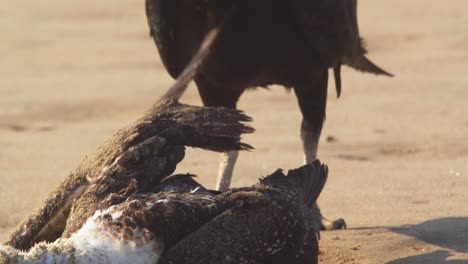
[
  {"x": 436, "y": 257},
  {"x": 450, "y": 232}
]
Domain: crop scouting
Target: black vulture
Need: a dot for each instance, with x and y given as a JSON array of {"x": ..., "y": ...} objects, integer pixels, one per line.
[{"x": 263, "y": 42}]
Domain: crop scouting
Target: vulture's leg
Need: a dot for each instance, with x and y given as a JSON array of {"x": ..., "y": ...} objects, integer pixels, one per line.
[
  {"x": 226, "y": 169},
  {"x": 212, "y": 95},
  {"x": 311, "y": 93}
]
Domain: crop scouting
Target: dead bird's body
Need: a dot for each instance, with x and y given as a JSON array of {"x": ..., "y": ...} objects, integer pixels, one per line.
[{"x": 267, "y": 223}]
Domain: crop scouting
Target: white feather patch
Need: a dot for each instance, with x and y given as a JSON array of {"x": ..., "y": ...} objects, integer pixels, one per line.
[{"x": 95, "y": 242}]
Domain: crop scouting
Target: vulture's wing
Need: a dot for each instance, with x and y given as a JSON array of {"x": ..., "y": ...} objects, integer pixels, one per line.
[
  {"x": 331, "y": 27},
  {"x": 178, "y": 28}
]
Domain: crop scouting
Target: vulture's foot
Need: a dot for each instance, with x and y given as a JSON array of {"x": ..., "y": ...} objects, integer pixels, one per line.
[
  {"x": 337, "y": 224},
  {"x": 324, "y": 223}
]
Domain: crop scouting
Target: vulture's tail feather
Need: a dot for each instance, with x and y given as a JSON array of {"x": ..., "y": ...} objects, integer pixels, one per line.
[{"x": 362, "y": 63}]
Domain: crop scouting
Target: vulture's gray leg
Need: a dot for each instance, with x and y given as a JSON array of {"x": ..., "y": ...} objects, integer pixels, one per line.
[
  {"x": 310, "y": 141},
  {"x": 226, "y": 169},
  {"x": 311, "y": 93}
]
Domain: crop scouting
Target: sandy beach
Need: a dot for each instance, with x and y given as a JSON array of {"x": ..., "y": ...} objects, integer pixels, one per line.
[{"x": 73, "y": 73}]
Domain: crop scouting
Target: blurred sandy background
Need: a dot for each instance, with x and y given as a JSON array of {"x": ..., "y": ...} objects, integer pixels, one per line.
[{"x": 72, "y": 73}]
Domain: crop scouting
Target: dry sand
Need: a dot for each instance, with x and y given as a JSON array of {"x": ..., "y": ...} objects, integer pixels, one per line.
[{"x": 72, "y": 73}]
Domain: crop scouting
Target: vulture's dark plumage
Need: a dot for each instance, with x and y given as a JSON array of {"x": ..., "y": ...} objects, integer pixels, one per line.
[{"x": 263, "y": 42}]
